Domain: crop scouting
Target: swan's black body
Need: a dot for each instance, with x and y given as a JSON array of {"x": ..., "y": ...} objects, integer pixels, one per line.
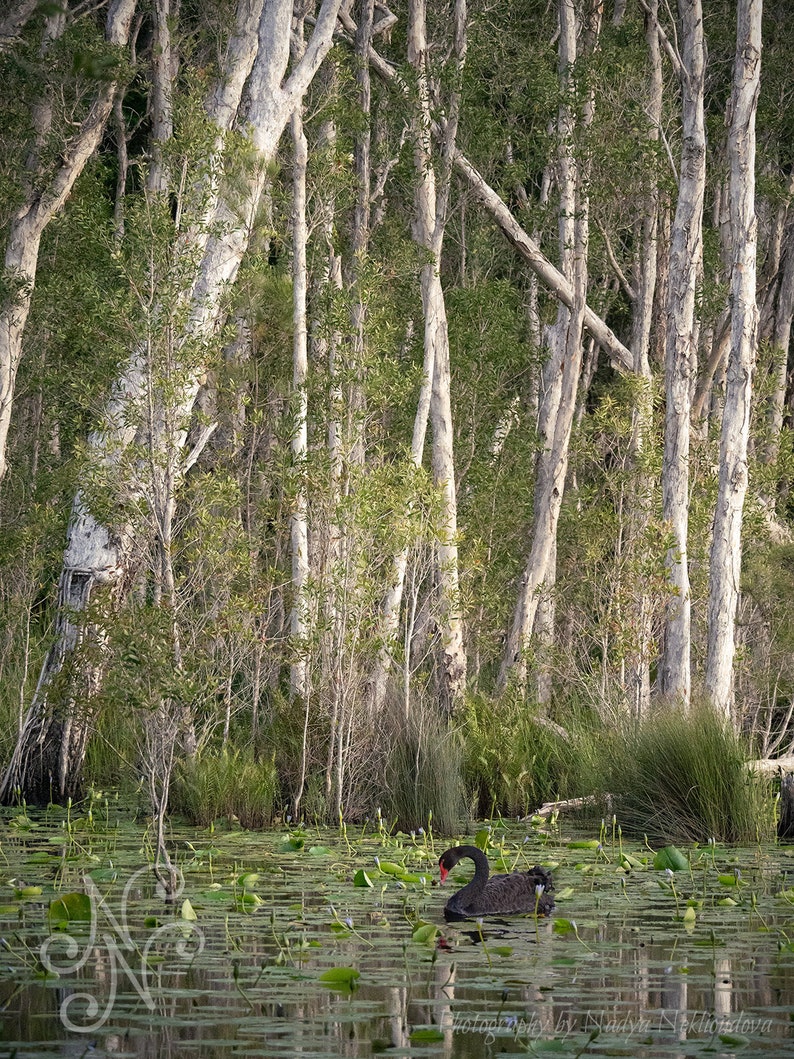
[{"x": 499, "y": 895}]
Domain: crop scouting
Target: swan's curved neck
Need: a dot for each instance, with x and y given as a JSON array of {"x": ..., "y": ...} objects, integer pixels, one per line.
[{"x": 481, "y": 871}]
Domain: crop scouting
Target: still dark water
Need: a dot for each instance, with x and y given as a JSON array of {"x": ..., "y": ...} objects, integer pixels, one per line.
[{"x": 272, "y": 949}]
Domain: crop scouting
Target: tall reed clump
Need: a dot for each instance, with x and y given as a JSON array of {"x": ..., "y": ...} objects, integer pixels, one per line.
[
  {"x": 225, "y": 784},
  {"x": 683, "y": 776},
  {"x": 112, "y": 754},
  {"x": 514, "y": 762},
  {"x": 422, "y": 772}
]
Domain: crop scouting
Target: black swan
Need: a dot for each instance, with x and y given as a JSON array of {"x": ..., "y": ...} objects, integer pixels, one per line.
[{"x": 507, "y": 895}]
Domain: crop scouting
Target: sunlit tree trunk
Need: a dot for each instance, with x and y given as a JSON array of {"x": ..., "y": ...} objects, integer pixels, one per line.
[
  {"x": 681, "y": 353},
  {"x": 47, "y": 760},
  {"x": 726, "y": 546},
  {"x": 45, "y": 196}
]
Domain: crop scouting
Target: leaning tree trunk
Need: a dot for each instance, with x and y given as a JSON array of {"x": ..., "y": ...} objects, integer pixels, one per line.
[
  {"x": 726, "y": 545},
  {"x": 100, "y": 555},
  {"x": 46, "y": 196},
  {"x": 681, "y": 353}
]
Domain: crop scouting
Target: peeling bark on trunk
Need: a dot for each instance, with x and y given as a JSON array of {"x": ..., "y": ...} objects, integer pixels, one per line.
[
  {"x": 681, "y": 352},
  {"x": 45, "y": 198},
  {"x": 726, "y": 545},
  {"x": 102, "y": 555}
]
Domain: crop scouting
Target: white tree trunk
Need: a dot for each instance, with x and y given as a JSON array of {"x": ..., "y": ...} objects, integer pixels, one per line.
[
  {"x": 434, "y": 403},
  {"x": 645, "y": 281},
  {"x": 726, "y": 545},
  {"x": 527, "y": 247},
  {"x": 101, "y": 555},
  {"x": 32, "y": 217},
  {"x": 299, "y": 528},
  {"x": 561, "y": 374},
  {"x": 681, "y": 352}
]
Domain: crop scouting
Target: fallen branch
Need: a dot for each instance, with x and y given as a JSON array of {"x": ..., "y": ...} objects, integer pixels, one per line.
[
  {"x": 768, "y": 766},
  {"x": 500, "y": 212},
  {"x": 549, "y": 808}
]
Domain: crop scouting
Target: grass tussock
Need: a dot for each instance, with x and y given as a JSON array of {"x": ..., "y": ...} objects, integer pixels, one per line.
[
  {"x": 226, "y": 785},
  {"x": 422, "y": 774},
  {"x": 682, "y": 777}
]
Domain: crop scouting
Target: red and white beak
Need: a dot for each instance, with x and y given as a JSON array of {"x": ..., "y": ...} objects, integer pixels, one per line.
[{"x": 444, "y": 872}]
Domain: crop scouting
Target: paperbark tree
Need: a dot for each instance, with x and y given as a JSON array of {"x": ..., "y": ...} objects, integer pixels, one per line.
[
  {"x": 299, "y": 528},
  {"x": 99, "y": 556},
  {"x": 681, "y": 351},
  {"x": 434, "y": 402},
  {"x": 643, "y": 298},
  {"x": 726, "y": 546},
  {"x": 46, "y": 190},
  {"x": 562, "y": 370}
]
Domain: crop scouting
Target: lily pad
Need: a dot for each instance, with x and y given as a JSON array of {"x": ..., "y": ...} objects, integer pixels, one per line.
[
  {"x": 670, "y": 858},
  {"x": 70, "y": 908},
  {"x": 344, "y": 978}
]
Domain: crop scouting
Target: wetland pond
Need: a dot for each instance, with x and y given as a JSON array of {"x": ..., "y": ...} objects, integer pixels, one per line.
[{"x": 326, "y": 942}]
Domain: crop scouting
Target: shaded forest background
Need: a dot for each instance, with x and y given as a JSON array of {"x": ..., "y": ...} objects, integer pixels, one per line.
[{"x": 309, "y": 594}]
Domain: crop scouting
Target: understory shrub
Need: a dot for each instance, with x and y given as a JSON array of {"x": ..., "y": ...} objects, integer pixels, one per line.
[{"x": 515, "y": 762}]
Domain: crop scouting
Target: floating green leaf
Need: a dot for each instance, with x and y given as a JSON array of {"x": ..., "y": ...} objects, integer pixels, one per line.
[
  {"x": 426, "y": 1035},
  {"x": 668, "y": 857},
  {"x": 344, "y": 978},
  {"x": 188, "y": 912},
  {"x": 563, "y": 926},
  {"x": 70, "y": 908},
  {"x": 28, "y": 891},
  {"x": 483, "y": 839},
  {"x": 390, "y": 868},
  {"x": 730, "y": 880},
  {"x": 291, "y": 843},
  {"x": 361, "y": 878},
  {"x": 425, "y": 933}
]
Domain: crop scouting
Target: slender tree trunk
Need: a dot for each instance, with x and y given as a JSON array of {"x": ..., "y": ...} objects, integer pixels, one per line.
[
  {"x": 434, "y": 403},
  {"x": 681, "y": 352},
  {"x": 101, "y": 555},
  {"x": 780, "y": 338},
  {"x": 299, "y": 528},
  {"x": 45, "y": 198},
  {"x": 645, "y": 285},
  {"x": 726, "y": 546},
  {"x": 561, "y": 375}
]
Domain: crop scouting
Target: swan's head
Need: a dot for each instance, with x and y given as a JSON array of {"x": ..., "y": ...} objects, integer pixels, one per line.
[{"x": 447, "y": 862}]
